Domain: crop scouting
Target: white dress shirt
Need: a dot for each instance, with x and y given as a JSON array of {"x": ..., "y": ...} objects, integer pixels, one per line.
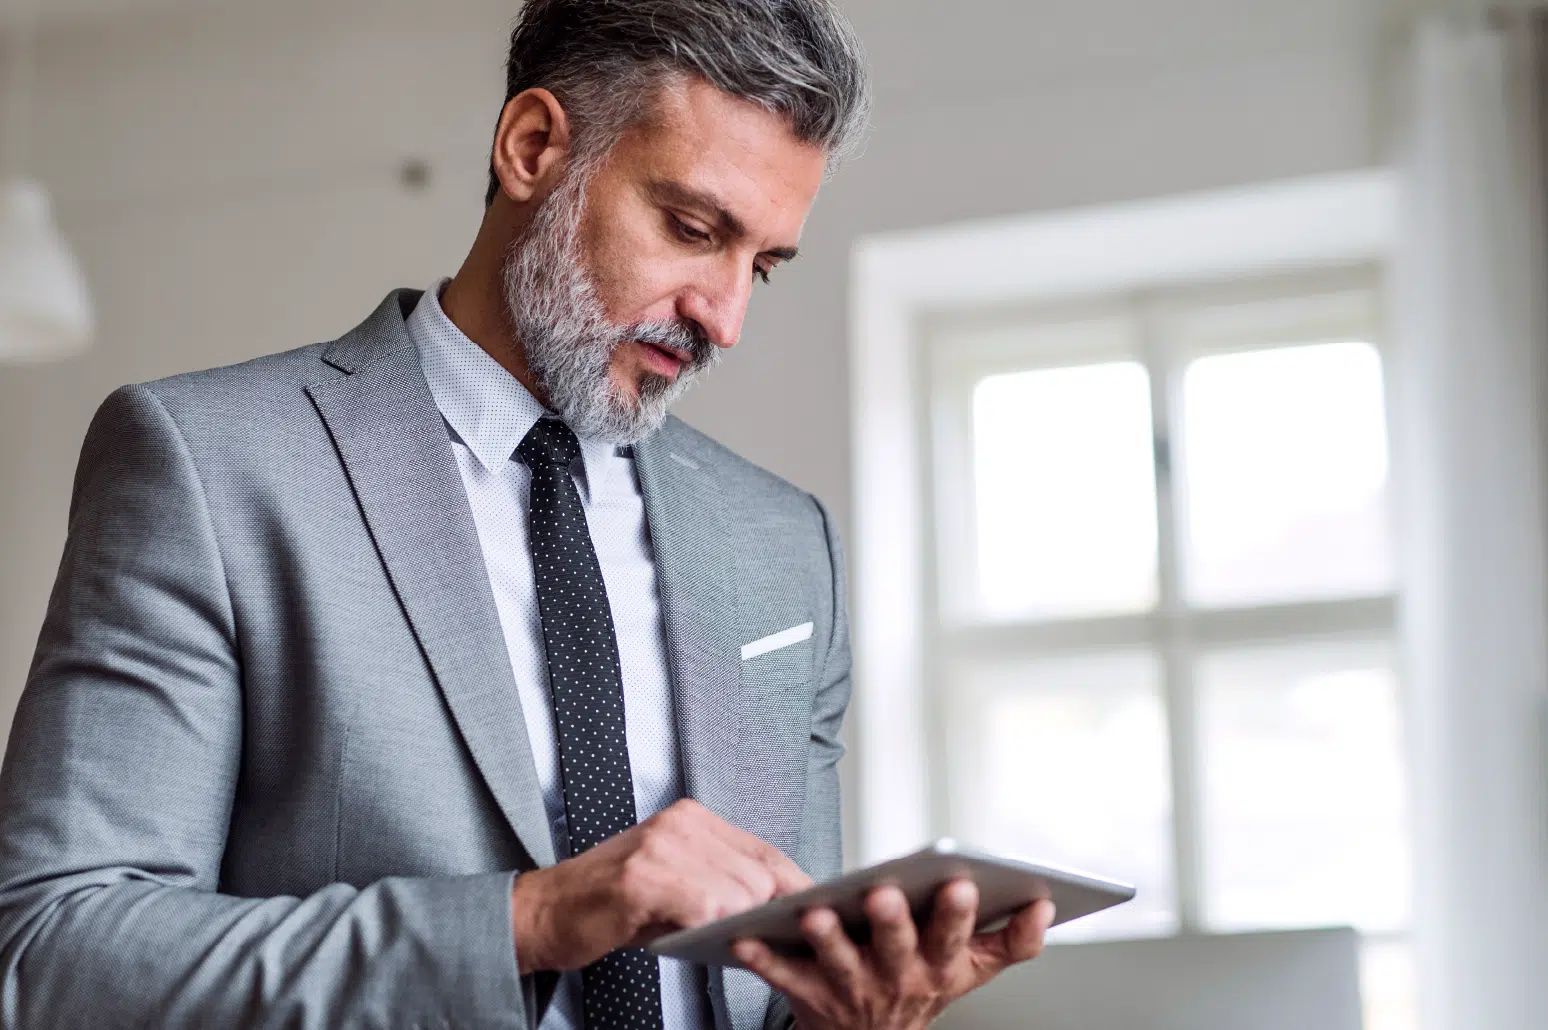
[{"x": 488, "y": 412}]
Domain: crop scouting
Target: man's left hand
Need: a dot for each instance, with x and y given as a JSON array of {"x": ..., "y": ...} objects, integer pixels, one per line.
[{"x": 903, "y": 978}]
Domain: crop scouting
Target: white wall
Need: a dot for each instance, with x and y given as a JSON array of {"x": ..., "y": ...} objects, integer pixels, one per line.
[{"x": 229, "y": 179}]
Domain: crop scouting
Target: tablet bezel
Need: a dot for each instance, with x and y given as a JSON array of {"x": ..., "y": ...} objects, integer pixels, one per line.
[{"x": 1005, "y": 886}]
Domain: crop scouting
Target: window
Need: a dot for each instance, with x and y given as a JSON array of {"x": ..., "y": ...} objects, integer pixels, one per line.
[{"x": 1163, "y": 601}]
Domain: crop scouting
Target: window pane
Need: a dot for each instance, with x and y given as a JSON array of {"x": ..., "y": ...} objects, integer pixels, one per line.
[
  {"x": 1065, "y": 762},
  {"x": 1303, "y": 789},
  {"x": 1389, "y": 986},
  {"x": 1285, "y": 457},
  {"x": 1065, "y": 491}
]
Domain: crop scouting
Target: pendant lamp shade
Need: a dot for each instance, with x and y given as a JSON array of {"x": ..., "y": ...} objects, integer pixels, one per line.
[{"x": 45, "y": 310}]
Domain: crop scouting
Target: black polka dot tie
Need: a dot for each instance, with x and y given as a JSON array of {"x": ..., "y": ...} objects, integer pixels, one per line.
[{"x": 622, "y": 991}]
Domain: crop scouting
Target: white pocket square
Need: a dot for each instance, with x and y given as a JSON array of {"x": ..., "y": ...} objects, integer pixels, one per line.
[{"x": 793, "y": 635}]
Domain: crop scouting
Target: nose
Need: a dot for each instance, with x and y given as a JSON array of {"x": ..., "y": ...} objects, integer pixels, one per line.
[{"x": 718, "y": 303}]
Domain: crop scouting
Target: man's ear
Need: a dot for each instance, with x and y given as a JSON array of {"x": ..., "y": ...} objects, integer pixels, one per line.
[{"x": 531, "y": 144}]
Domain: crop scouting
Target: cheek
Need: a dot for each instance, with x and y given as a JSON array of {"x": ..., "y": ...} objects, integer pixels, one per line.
[
  {"x": 636, "y": 273},
  {"x": 634, "y": 293}
]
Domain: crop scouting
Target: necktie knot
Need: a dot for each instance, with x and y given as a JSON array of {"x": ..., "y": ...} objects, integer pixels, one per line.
[{"x": 549, "y": 442}]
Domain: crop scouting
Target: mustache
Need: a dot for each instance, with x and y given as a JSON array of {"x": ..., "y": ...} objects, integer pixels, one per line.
[{"x": 684, "y": 336}]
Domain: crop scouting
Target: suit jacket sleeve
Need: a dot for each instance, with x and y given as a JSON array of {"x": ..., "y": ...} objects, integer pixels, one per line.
[
  {"x": 119, "y": 781},
  {"x": 822, "y": 818}
]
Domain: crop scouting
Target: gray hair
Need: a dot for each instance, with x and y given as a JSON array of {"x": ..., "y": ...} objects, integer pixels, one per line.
[
  {"x": 604, "y": 60},
  {"x": 563, "y": 330}
]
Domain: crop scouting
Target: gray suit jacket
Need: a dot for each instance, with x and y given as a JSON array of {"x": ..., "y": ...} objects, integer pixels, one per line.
[{"x": 270, "y": 769}]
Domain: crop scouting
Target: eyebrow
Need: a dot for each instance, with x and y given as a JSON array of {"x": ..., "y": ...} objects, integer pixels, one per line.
[{"x": 664, "y": 191}]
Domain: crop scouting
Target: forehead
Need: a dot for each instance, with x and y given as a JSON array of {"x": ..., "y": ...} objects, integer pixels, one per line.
[{"x": 747, "y": 158}]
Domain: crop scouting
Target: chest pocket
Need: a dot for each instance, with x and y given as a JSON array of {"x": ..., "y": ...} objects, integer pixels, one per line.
[{"x": 778, "y": 681}]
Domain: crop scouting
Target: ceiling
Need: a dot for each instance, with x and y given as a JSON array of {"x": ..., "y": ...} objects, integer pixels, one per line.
[
  {"x": 1046, "y": 44},
  {"x": 66, "y": 11},
  {"x": 53, "y": 12}
]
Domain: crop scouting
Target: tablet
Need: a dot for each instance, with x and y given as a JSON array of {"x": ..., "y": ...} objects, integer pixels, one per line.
[{"x": 1005, "y": 886}]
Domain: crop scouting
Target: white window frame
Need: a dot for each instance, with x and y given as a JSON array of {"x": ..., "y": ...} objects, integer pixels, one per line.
[
  {"x": 1164, "y": 331},
  {"x": 899, "y": 280}
]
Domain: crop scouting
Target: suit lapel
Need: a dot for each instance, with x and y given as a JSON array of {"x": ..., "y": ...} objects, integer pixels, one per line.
[
  {"x": 690, "y": 530},
  {"x": 696, "y": 567},
  {"x": 395, "y": 449}
]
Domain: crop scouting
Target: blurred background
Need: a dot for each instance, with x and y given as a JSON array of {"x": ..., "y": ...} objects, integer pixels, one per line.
[{"x": 1174, "y": 369}]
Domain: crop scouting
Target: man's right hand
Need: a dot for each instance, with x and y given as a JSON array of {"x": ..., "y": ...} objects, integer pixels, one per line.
[{"x": 683, "y": 867}]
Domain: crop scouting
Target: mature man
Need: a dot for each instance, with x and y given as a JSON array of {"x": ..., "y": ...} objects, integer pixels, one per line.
[{"x": 416, "y": 679}]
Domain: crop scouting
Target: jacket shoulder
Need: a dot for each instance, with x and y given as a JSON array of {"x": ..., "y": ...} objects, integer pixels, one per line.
[
  {"x": 740, "y": 473},
  {"x": 276, "y": 383},
  {"x": 288, "y": 370}
]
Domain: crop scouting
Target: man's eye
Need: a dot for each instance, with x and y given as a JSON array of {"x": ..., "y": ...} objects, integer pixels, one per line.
[
  {"x": 761, "y": 272},
  {"x": 688, "y": 232}
]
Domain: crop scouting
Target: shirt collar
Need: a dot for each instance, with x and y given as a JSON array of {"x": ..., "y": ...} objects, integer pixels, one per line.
[{"x": 485, "y": 406}]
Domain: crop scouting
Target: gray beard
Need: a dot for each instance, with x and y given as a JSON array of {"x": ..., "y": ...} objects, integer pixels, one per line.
[{"x": 559, "y": 322}]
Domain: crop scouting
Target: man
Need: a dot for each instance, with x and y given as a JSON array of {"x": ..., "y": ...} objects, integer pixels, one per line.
[{"x": 416, "y": 679}]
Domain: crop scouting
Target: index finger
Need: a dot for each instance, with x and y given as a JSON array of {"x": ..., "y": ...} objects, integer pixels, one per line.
[
  {"x": 1022, "y": 938},
  {"x": 788, "y": 877},
  {"x": 951, "y": 922}
]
